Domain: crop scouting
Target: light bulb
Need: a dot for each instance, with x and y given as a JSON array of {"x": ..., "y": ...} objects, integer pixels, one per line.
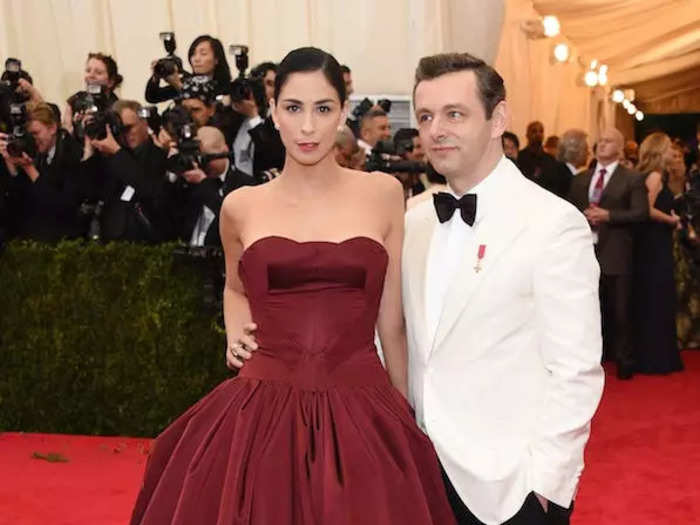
[
  {"x": 603, "y": 69},
  {"x": 551, "y": 25},
  {"x": 632, "y": 109},
  {"x": 590, "y": 78},
  {"x": 594, "y": 64},
  {"x": 626, "y": 103},
  {"x": 561, "y": 52},
  {"x": 602, "y": 78},
  {"x": 618, "y": 96},
  {"x": 639, "y": 116}
]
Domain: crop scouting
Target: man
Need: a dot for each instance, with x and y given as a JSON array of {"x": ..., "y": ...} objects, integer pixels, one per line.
[
  {"x": 631, "y": 154},
  {"x": 134, "y": 195},
  {"x": 374, "y": 127},
  {"x": 266, "y": 72},
  {"x": 345, "y": 147},
  {"x": 347, "y": 78},
  {"x": 551, "y": 146},
  {"x": 533, "y": 161},
  {"x": 501, "y": 308},
  {"x": 572, "y": 156},
  {"x": 614, "y": 200},
  {"x": 511, "y": 145},
  {"x": 206, "y": 188}
]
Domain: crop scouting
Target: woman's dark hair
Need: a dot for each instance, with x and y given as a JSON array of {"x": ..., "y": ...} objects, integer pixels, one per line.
[
  {"x": 261, "y": 69},
  {"x": 222, "y": 73},
  {"x": 306, "y": 60},
  {"x": 111, "y": 66}
]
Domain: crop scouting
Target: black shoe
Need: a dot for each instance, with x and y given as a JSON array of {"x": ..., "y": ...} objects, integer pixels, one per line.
[{"x": 624, "y": 373}]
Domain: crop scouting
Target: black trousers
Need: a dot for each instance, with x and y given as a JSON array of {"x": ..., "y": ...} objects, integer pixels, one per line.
[
  {"x": 531, "y": 513},
  {"x": 616, "y": 313}
]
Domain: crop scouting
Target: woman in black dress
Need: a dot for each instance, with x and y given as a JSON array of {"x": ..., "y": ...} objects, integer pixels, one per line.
[{"x": 654, "y": 288}]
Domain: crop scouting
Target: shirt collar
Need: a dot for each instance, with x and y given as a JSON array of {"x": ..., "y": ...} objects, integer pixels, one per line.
[
  {"x": 609, "y": 169},
  {"x": 222, "y": 176},
  {"x": 51, "y": 154},
  {"x": 486, "y": 191}
]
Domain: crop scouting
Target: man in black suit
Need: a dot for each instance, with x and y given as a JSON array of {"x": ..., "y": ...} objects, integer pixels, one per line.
[
  {"x": 533, "y": 161},
  {"x": 614, "y": 200},
  {"x": 134, "y": 192},
  {"x": 205, "y": 189},
  {"x": 572, "y": 155}
]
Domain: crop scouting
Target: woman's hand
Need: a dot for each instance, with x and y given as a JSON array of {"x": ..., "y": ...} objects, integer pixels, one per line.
[{"x": 242, "y": 349}]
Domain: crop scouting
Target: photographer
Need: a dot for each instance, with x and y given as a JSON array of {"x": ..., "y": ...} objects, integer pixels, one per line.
[
  {"x": 408, "y": 146},
  {"x": 44, "y": 168},
  {"x": 266, "y": 72},
  {"x": 134, "y": 190},
  {"x": 203, "y": 188},
  {"x": 207, "y": 58},
  {"x": 374, "y": 126},
  {"x": 100, "y": 70}
]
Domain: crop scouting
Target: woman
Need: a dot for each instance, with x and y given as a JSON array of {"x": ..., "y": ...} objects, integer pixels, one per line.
[
  {"x": 207, "y": 58},
  {"x": 46, "y": 181},
  {"x": 312, "y": 430},
  {"x": 100, "y": 70},
  {"x": 654, "y": 287}
]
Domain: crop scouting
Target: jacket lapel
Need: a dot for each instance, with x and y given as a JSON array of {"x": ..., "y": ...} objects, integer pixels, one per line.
[
  {"x": 615, "y": 179},
  {"x": 495, "y": 231}
]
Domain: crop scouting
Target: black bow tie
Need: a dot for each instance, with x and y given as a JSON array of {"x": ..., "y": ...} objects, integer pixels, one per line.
[{"x": 446, "y": 204}]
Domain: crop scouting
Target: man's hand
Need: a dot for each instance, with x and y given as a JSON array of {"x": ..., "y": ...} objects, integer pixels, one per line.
[
  {"x": 241, "y": 350},
  {"x": 30, "y": 90},
  {"x": 596, "y": 215},
  {"x": 246, "y": 107},
  {"x": 194, "y": 176},
  {"x": 108, "y": 145}
]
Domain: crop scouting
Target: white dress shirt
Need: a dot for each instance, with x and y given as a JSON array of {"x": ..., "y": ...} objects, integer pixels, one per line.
[
  {"x": 199, "y": 234},
  {"x": 609, "y": 170},
  {"x": 447, "y": 245},
  {"x": 243, "y": 146}
]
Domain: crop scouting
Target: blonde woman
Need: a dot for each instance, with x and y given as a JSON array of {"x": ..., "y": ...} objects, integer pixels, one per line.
[{"x": 654, "y": 288}]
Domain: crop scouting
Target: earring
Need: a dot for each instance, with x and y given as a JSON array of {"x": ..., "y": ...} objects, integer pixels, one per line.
[
  {"x": 277, "y": 127},
  {"x": 341, "y": 128}
]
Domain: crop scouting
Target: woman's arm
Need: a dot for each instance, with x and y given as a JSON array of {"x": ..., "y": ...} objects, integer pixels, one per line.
[
  {"x": 236, "y": 307},
  {"x": 654, "y": 186},
  {"x": 390, "y": 323}
]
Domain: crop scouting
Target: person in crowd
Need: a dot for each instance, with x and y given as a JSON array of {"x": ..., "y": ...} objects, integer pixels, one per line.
[
  {"x": 677, "y": 170},
  {"x": 313, "y": 256},
  {"x": 346, "y": 148},
  {"x": 100, "y": 70},
  {"x": 135, "y": 195},
  {"x": 533, "y": 160},
  {"x": 266, "y": 72},
  {"x": 347, "y": 78},
  {"x": 572, "y": 155},
  {"x": 511, "y": 145},
  {"x": 433, "y": 182},
  {"x": 203, "y": 189},
  {"x": 408, "y": 145},
  {"x": 551, "y": 146},
  {"x": 207, "y": 58},
  {"x": 45, "y": 190},
  {"x": 654, "y": 291},
  {"x": 630, "y": 154},
  {"x": 614, "y": 200},
  {"x": 374, "y": 126}
]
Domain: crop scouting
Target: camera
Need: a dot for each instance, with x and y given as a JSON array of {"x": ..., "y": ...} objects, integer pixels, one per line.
[
  {"x": 9, "y": 94},
  {"x": 93, "y": 102},
  {"x": 384, "y": 155},
  {"x": 20, "y": 141},
  {"x": 170, "y": 64},
  {"x": 152, "y": 118},
  {"x": 243, "y": 87},
  {"x": 366, "y": 104}
]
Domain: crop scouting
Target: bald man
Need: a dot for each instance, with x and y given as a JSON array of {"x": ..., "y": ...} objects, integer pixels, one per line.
[
  {"x": 345, "y": 147},
  {"x": 205, "y": 189},
  {"x": 614, "y": 200}
]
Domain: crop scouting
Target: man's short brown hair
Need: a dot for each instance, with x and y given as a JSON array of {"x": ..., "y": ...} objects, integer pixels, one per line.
[{"x": 489, "y": 82}]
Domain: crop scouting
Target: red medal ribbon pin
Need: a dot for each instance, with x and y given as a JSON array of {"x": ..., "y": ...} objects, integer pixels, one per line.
[{"x": 479, "y": 256}]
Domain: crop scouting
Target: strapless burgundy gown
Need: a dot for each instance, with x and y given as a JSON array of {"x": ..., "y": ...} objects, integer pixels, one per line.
[{"x": 310, "y": 432}]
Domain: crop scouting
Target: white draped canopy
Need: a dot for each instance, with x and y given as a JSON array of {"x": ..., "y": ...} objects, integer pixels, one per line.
[{"x": 641, "y": 40}]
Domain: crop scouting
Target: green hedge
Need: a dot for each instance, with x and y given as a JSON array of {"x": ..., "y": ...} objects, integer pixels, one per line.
[{"x": 113, "y": 340}]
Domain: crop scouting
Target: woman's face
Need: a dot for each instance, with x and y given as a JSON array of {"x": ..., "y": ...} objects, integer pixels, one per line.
[
  {"x": 308, "y": 113},
  {"x": 203, "y": 61},
  {"x": 96, "y": 73}
]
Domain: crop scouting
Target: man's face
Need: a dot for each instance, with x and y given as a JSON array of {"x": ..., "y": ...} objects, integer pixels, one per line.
[
  {"x": 510, "y": 149},
  {"x": 418, "y": 153},
  {"x": 349, "y": 88},
  {"x": 44, "y": 136},
  {"x": 135, "y": 128},
  {"x": 343, "y": 155},
  {"x": 378, "y": 128},
  {"x": 608, "y": 147},
  {"x": 269, "y": 83},
  {"x": 201, "y": 113},
  {"x": 535, "y": 133},
  {"x": 452, "y": 122}
]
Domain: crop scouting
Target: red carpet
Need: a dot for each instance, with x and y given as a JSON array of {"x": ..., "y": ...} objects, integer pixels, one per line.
[{"x": 643, "y": 464}]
